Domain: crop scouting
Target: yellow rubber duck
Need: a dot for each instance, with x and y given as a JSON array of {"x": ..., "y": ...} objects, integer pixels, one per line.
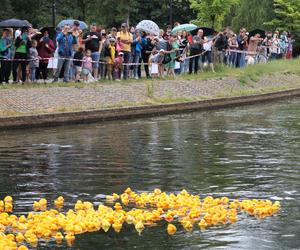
[{"x": 171, "y": 229}]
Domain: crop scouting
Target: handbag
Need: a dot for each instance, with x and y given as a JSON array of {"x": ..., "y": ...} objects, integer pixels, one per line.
[{"x": 167, "y": 59}]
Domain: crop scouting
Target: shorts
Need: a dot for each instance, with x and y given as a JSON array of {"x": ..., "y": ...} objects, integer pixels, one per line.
[
  {"x": 78, "y": 68},
  {"x": 95, "y": 58},
  {"x": 85, "y": 72},
  {"x": 207, "y": 56}
]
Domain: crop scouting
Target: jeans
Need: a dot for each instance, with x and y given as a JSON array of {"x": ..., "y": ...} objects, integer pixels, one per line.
[
  {"x": 32, "y": 74},
  {"x": 136, "y": 59},
  {"x": 102, "y": 70},
  {"x": 126, "y": 57},
  {"x": 61, "y": 62},
  {"x": 232, "y": 59},
  {"x": 185, "y": 66},
  {"x": 241, "y": 60},
  {"x": 96, "y": 58}
]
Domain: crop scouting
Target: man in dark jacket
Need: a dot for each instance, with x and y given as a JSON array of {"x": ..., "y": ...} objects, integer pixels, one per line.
[{"x": 221, "y": 44}]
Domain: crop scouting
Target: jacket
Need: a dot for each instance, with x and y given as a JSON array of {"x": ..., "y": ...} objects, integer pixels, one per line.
[{"x": 65, "y": 44}]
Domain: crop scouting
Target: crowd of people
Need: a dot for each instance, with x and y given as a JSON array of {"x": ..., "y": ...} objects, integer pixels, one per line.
[{"x": 99, "y": 54}]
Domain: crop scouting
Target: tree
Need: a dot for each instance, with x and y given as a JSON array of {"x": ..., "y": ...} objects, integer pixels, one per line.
[
  {"x": 287, "y": 15},
  {"x": 251, "y": 14},
  {"x": 211, "y": 12},
  {"x": 6, "y": 10}
]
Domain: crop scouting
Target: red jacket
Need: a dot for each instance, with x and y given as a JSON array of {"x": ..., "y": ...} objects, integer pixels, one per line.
[{"x": 45, "y": 51}]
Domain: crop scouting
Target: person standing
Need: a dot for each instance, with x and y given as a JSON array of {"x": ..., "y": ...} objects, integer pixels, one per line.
[
  {"x": 92, "y": 41},
  {"x": 34, "y": 60},
  {"x": 138, "y": 44},
  {"x": 5, "y": 53},
  {"x": 87, "y": 65},
  {"x": 125, "y": 38},
  {"x": 195, "y": 51},
  {"x": 242, "y": 40},
  {"x": 275, "y": 49},
  {"x": 233, "y": 45},
  {"x": 65, "y": 40},
  {"x": 252, "y": 48},
  {"x": 111, "y": 55},
  {"x": 221, "y": 44},
  {"x": 45, "y": 49},
  {"x": 22, "y": 45},
  {"x": 174, "y": 48}
]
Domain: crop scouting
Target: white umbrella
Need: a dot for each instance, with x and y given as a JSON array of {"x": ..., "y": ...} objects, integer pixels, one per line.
[{"x": 148, "y": 26}]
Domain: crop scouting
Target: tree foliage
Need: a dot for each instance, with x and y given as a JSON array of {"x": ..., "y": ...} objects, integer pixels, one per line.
[
  {"x": 108, "y": 13},
  {"x": 211, "y": 13},
  {"x": 252, "y": 14},
  {"x": 265, "y": 14},
  {"x": 287, "y": 15}
]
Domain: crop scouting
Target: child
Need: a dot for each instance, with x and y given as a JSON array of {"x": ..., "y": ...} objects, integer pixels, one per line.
[
  {"x": 34, "y": 60},
  {"x": 157, "y": 60},
  {"x": 118, "y": 65},
  {"x": 78, "y": 63},
  {"x": 87, "y": 66},
  {"x": 111, "y": 54},
  {"x": 207, "y": 53}
]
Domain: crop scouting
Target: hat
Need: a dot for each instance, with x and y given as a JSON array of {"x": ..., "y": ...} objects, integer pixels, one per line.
[
  {"x": 112, "y": 40},
  {"x": 121, "y": 54},
  {"x": 162, "y": 51}
]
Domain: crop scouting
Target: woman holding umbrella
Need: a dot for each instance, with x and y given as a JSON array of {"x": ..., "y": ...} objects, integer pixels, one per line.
[{"x": 45, "y": 49}]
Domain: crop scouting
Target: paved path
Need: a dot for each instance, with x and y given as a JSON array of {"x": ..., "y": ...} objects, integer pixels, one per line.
[{"x": 25, "y": 101}]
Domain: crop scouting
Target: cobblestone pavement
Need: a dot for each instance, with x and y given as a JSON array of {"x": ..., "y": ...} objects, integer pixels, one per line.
[{"x": 25, "y": 101}]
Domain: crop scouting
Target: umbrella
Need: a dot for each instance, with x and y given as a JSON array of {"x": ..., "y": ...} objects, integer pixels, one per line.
[
  {"x": 206, "y": 31},
  {"x": 257, "y": 31},
  {"x": 148, "y": 26},
  {"x": 70, "y": 22},
  {"x": 14, "y": 23},
  {"x": 184, "y": 27}
]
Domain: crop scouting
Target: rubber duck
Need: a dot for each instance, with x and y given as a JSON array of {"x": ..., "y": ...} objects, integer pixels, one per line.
[
  {"x": 171, "y": 229},
  {"x": 139, "y": 227}
]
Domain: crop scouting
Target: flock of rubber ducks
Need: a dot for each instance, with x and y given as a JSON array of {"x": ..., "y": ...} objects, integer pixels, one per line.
[{"x": 137, "y": 209}]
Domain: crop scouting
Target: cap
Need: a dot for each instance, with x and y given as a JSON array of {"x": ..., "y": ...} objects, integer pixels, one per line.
[
  {"x": 121, "y": 54},
  {"x": 112, "y": 40},
  {"x": 162, "y": 51}
]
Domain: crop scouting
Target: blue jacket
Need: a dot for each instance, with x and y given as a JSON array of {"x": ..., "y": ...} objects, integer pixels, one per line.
[
  {"x": 65, "y": 44},
  {"x": 138, "y": 46},
  {"x": 4, "y": 51}
]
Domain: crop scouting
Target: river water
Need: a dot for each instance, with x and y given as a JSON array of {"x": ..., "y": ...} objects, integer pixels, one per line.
[{"x": 247, "y": 152}]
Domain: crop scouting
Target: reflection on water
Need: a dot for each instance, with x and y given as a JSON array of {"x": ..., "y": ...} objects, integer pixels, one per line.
[{"x": 249, "y": 152}]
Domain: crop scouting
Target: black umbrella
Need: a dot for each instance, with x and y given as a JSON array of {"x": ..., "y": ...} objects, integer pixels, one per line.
[
  {"x": 14, "y": 23},
  {"x": 206, "y": 31},
  {"x": 257, "y": 31}
]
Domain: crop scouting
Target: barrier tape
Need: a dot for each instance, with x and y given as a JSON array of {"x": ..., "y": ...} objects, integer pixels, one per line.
[{"x": 125, "y": 64}]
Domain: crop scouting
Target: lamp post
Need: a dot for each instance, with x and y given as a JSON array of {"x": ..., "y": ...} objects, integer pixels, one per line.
[
  {"x": 53, "y": 13},
  {"x": 171, "y": 11}
]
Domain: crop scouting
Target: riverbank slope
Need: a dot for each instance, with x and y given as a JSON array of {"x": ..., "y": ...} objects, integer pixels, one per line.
[{"x": 39, "y": 104}]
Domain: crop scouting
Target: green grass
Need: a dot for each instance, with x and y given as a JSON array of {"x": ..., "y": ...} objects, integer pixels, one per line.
[
  {"x": 246, "y": 75},
  {"x": 249, "y": 79}
]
